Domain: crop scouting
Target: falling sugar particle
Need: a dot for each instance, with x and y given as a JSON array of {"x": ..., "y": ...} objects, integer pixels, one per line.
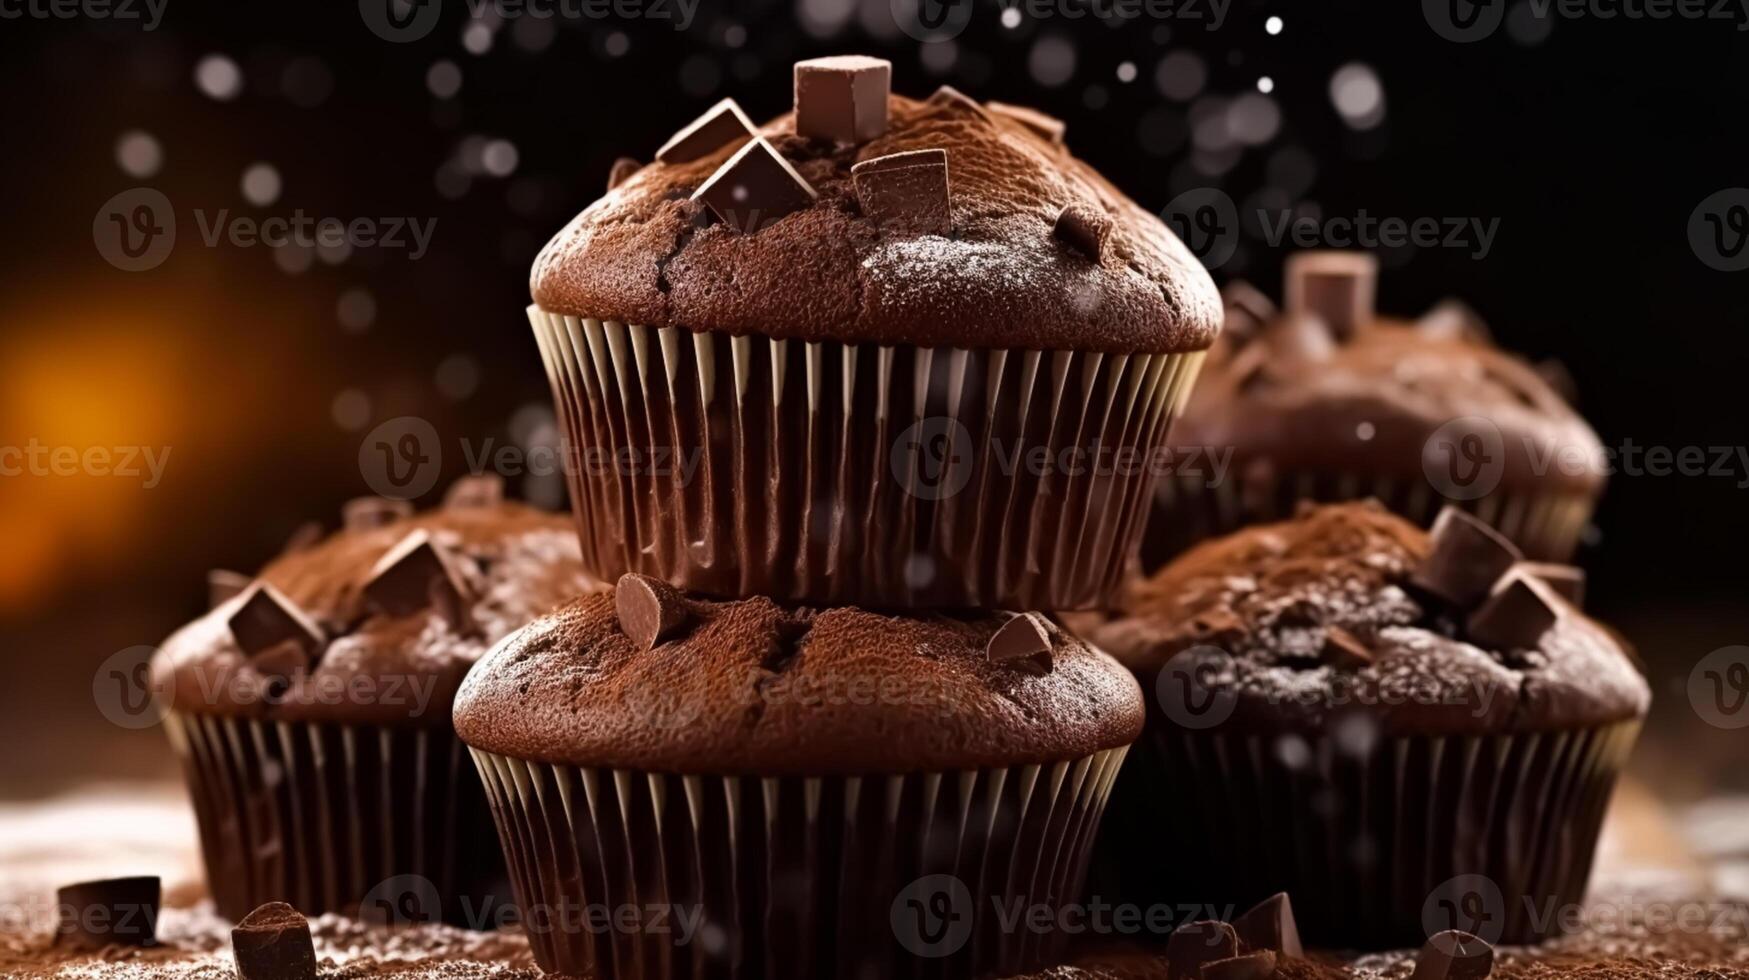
[
  {"x": 499, "y": 158},
  {"x": 1266, "y": 85},
  {"x": 1365, "y": 431},
  {"x": 138, "y": 153},
  {"x": 1272, "y": 25},
  {"x": 444, "y": 79},
  {"x": 218, "y": 77},
  {"x": 1180, "y": 76},
  {"x": 351, "y": 410},
  {"x": 1126, "y": 72},
  {"x": 1358, "y": 96},
  {"x": 1011, "y": 18},
  {"x": 261, "y": 184},
  {"x": 477, "y": 38},
  {"x": 1052, "y": 61},
  {"x": 356, "y": 310}
]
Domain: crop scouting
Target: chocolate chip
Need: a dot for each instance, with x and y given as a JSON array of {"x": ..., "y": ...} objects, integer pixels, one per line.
[
  {"x": 1566, "y": 581},
  {"x": 1466, "y": 559},
  {"x": 1337, "y": 286},
  {"x": 1047, "y": 128},
  {"x": 223, "y": 585},
  {"x": 1026, "y": 636},
  {"x": 1454, "y": 320},
  {"x": 1247, "y": 966},
  {"x": 109, "y": 912},
  {"x": 475, "y": 490},
  {"x": 1270, "y": 925},
  {"x": 412, "y": 577},
  {"x": 622, "y": 171},
  {"x": 947, "y": 95},
  {"x": 1083, "y": 229},
  {"x": 1344, "y": 650},
  {"x": 754, "y": 188},
  {"x": 267, "y": 618},
  {"x": 1195, "y": 943},
  {"x": 1454, "y": 955},
  {"x": 1299, "y": 337},
  {"x": 722, "y": 125},
  {"x": 1515, "y": 616},
  {"x": 650, "y": 610},
  {"x": 364, "y": 513},
  {"x": 273, "y": 943},
  {"x": 905, "y": 191},
  {"x": 842, "y": 98}
]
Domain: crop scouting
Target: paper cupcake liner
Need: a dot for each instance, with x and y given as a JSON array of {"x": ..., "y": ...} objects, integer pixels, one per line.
[
  {"x": 793, "y": 877},
  {"x": 861, "y": 474},
  {"x": 1547, "y": 526},
  {"x": 321, "y": 816},
  {"x": 1490, "y": 834}
]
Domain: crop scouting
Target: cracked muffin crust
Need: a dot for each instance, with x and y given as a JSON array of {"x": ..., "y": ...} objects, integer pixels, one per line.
[
  {"x": 645, "y": 254},
  {"x": 750, "y": 686}
]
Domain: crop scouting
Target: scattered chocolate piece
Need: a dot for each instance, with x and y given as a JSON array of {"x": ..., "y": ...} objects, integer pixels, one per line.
[
  {"x": 304, "y": 538},
  {"x": 1515, "y": 616},
  {"x": 1247, "y": 310},
  {"x": 1338, "y": 286},
  {"x": 1299, "y": 337},
  {"x": 949, "y": 96},
  {"x": 267, "y": 618},
  {"x": 1454, "y": 320},
  {"x": 223, "y": 585},
  {"x": 1454, "y": 955},
  {"x": 843, "y": 98},
  {"x": 109, "y": 912},
  {"x": 475, "y": 490},
  {"x": 273, "y": 943},
  {"x": 411, "y": 575},
  {"x": 722, "y": 124},
  {"x": 905, "y": 191},
  {"x": 622, "y": 171},
  {"x": 1270, "y": 925},
  {"x": 650, "y": 610},
  {"x": 754, "y": 188},
  {"x": 364, "y": 513},
  {"x": 1344, "y": 650},
  {"x": 1195, "y": 943},
  {"x": 1246, "y": 966},
  {"x": 1025, "y": 636},
  {"x": 1083, "y": 229},
  {"x": 1467, "y": 558},
  {"x": 1048, "y": 128},
  {"x": 1567, "y": 581}
]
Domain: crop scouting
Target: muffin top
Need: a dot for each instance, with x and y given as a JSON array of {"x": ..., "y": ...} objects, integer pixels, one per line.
[
  {"x": 1348, "y": 608},
  {"x": 377, "y": 623},
  {"x": 1326, "y": 383},
  {"x": 962, "y": 250},
  {"x": 752, "y": 687}
]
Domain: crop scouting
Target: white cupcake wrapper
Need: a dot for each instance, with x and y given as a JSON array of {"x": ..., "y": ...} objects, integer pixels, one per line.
[
  {"x": 1364, "y": 845},
  {"x": 319, "y": 815},
  {"x": 799, "y": 493},
  {"x": 792, "y": 877}
]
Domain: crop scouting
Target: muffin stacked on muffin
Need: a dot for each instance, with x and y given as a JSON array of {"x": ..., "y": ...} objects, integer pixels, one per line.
[
  {"x": 1326, "y": 401},
  {"x": 807, "y": 371},
  {"x": 311, "y": 706}
]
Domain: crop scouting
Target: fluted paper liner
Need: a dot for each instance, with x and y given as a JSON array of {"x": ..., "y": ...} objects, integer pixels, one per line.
[
  {"x": 318, "y": 815},
  {"x": 1363, "y": 843},
  {"x": 1547, "y": 526},
  {"x": 797, "y": 491},
  {"x": 791, "y": 877}
]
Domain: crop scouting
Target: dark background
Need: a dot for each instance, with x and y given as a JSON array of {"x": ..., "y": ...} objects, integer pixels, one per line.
[{"x": 1591, "y": 140}]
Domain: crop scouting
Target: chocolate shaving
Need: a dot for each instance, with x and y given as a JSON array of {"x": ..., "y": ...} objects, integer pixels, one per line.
[
  {"x": 1246, "y": 966},
  {"x": 1026, "y": 637},
  {"x": 947, "y": 95},
  {"x": 1566, "y": 581},
  {"x": 1515, "y": 616},
  {"x": 754, "y": 188},
  {"x": 413, "y": 576},
  {"x": 842, "y": 98},
  {"x": 1048, "y": 128},
  {"x": 723, "y": 124},
  {"x": 109, "y": 912},
  {"x": 365, "y": 513},
  {"x": 1196, "y": 943},
  {"x": 1270, "y": 925},
  {"x": 650, "y": 610},
  {"x": 1344, "y": 650},
  {"x": 267, "y": 618},
  {"x": 273, "y": 943},
  {"x": 223, "y": 585},
  {"x": 1337, "y": 286},
  {"x": 1083, "y": 229},
  {"x": 1466, "y": 559},
  {"x": 623, "y": 170},
  {"x": 1454, "y": 955},
  {"x": 475, "y": 490},
  {"x": 905, "y": 191}
]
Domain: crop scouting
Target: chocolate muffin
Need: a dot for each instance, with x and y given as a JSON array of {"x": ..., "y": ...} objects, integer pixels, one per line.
[
  {"x": 1373, "y": 719},
  {"x": 810, "y": 783},
  {"x": 878, "y": 351},
  {"x": 1326, "y": 401},
  {"x": 311, "y": 710}
]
